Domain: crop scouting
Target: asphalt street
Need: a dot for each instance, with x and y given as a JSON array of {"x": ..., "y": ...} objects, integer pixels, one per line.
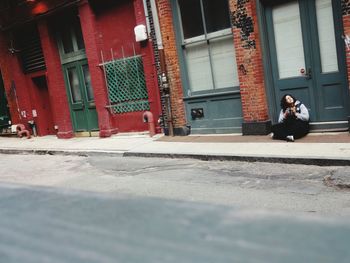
[{"x": 110, "y": 209}]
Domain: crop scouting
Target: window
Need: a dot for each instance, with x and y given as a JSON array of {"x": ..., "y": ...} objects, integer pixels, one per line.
[
  {"x": 70, "y": 39},
  {"x": 208, "y": 45}
]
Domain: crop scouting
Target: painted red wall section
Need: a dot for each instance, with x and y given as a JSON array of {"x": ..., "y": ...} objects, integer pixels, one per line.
[
  {"x": 6, "y": 72},
  {"x": 23, "y": 95},
  {"x": 346, "y": 23},
  {"x": 114, "y": 38},
  {"x": 40, "y": 95},
  {"x": 55, "y": 82},
  {"x": 92, "y": 48}
]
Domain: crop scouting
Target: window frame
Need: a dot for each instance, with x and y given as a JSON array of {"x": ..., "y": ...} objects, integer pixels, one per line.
[{"x": 201, "y": 39}]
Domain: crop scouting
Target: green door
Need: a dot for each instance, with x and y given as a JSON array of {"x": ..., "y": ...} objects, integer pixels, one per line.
[
  {"x": 81, "y": 98},
  {"x": 307, "y": 56},
  {"x": 4, "y": 112}
]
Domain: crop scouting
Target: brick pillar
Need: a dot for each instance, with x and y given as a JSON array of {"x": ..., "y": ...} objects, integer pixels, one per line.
[
  {"x": 250, "y": 67},
  {"x": 173, "y": 66},
  {"x": 148, "y": 63},
  {"x": 55, "y": 82},
  {"x": 6, "y": 72},
  {"x": 92, "y": 48},
  {"x": 7, "y": 76},
  {"x": 15, "y": 84},
  {"x": 346, "y": 24}
]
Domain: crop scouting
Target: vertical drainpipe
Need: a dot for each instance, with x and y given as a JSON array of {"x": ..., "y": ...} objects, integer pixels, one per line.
[{"x": 163, "y": 76}]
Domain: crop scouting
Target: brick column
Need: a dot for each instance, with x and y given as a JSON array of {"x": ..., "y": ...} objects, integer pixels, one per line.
[
  {"x": 148, "y": 64},
  {"x": 15, "y": 84},
  {"x": 92, "y": 48},
  {"x": 6, "y": 72},
  {"x": 55, "y": 83},
  {"x": 250, "y": 67},
  {"x": 346, "y": 24},
  {"x": 173, "y": 66}
]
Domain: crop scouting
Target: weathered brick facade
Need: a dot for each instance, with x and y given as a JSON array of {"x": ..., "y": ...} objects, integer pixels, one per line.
[
  {"x": 107, "y": 30},
  {"x": 172, "y": 63},
  {"x": 346, "y": 24},
  {"x": 56, "y": 84},
  {"x": 248, "y": 55},
  {"x": 249, "y": 62}
]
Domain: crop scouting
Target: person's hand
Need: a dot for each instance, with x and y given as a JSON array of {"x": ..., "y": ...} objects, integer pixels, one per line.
[{"x": 293, "y": 110}]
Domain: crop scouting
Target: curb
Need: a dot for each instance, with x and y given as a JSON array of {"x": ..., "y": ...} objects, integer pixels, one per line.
[
  {"x": 62, "y": 152},
  {"x": 202, "y": 157},
  {"x": 207, "y": 157}
]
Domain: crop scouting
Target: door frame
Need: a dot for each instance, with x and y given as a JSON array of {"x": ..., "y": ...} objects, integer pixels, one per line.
[
  {"x": 86, "y": 103},
  {"x": 268, "y": 68}
]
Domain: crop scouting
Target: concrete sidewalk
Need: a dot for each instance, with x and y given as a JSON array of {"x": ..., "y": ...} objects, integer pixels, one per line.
[{"x": 316, "y": 149}]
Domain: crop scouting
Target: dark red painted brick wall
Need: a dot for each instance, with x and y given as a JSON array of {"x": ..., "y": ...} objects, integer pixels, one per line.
[
  {"x": 55, "y": 82},
  {"x": 110, "y": 32},
  {"x": 346, "y": 23},
  {"x": 92, "y": 48}
]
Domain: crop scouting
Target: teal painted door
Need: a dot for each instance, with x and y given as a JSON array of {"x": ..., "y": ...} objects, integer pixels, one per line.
[
  {"x": 4, "y": 112},
  {"x": 81, "y": 98},
  {"x": 307, "y": 56}
]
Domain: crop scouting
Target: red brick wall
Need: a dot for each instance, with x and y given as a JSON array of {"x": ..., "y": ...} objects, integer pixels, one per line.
[
  {"x": 17, "y": 85},
  {"x": 7, "y": 76},
  {"x": 346, "y": 23},
  {"x": 146, "y": 49},
  {"x": 249, "y": 60},
  {"x": 92, "y": 48},
  {"x": 172, "y": 63},
  {"x": 55, "y": 82},
  {"x": 111, "y": 31}
]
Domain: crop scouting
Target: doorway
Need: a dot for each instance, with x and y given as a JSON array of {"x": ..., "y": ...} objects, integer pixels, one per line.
[
  {"x": 80, "y": 96},
  {"x": 42, "y": 113},
  {"x": 308, "y": 58},
  {"x": 4, "y": 110}
]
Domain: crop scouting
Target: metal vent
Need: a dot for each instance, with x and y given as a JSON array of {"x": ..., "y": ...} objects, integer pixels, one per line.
[{"x": 31, "y": 53}]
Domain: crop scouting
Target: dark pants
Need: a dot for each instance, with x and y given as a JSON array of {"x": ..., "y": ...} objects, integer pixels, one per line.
[{"x": 295, "y": 127}]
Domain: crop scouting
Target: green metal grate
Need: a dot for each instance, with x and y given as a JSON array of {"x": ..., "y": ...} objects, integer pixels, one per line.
[{"x": 126, "y": 85}]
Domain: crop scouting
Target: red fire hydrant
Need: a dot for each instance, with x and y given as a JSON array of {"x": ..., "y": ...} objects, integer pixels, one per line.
[
  {"x": 21, "y": 130},
  {"x": 148, "y": 117}
]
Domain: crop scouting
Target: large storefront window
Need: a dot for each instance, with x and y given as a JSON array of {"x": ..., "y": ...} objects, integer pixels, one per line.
[{"x": 208, "y": 45}]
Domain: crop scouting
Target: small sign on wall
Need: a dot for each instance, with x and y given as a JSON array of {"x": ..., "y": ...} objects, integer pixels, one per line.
[{"x": 140, "y": 33}]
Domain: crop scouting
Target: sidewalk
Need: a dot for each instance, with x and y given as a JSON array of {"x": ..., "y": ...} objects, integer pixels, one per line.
[{"x": 317, "y": 149}]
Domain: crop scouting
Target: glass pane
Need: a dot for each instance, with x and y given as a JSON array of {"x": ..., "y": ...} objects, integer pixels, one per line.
[
  {"x": 224, "y": 63},
  {"x": 288, "y": 38},
  {"x": 198, "y": 66},
  {"x": 79, "y": 36},
  {"x": 325, "y": 25},
  {"x": 191, "y": 18},
  {"x": 67, "y": 41},
  {"x": 87, "y": 80},
  {"x": 216, "y": 15},
  {"x": 74, "y": 84}
]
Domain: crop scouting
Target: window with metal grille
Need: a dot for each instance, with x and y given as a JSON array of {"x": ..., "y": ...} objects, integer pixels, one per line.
[{"x": 126, "y": 85}]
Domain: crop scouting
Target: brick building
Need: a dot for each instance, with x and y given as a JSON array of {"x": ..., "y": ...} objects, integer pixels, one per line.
[
  {"x": 75, "y": 67},
  {"x": 229, "y": 62}
]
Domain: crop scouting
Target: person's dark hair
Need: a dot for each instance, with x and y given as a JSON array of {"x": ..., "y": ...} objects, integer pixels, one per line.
[{"x": 284, "y": 104}]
